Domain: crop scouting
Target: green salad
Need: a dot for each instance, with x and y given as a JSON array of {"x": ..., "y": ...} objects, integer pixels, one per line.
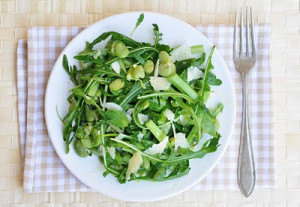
[{"x": 140, "y": 107}]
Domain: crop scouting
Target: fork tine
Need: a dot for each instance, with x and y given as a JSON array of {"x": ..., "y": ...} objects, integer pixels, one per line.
[
  {"x": 252, "y": 34},
  {"x": 235, "y": 34},
  {"x": 247, "y": 33},
  {"x": 241, "y": 33}
]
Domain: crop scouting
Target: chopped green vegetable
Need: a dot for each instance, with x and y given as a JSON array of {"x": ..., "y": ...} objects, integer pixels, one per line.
[
  {"x": 183, "y": 86},
  {"x": 197, "y": 49},
  {"x": 156, "y": 131},
  {"x": 140, "y": 109}
]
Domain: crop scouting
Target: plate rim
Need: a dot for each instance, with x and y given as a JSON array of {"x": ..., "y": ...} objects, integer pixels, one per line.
[{"x": 198, "y": 178}]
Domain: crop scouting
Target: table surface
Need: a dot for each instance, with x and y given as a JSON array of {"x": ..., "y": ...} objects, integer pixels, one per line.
[{"x": 17, "y": 15}]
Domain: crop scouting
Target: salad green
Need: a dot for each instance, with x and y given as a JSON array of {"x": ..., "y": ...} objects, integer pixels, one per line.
[{"x": 140, "y": 107}]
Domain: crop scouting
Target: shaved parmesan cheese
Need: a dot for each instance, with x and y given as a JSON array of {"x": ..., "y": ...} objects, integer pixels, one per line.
[
  {"x": 159, "y": 83},
  {"x": 112, "y": 152},
  {"x": 116, "y": 67},
  {"x": 129, "y": 111},
  {"x": 193, "y": 73},
  {"x": 181, "y": 53},
  {"x": 134, "y": 164},
  {"x": 169, "y": 114},
  {"x": 155, "y": 73},
  {"x": 180, "y": 141},
  {"x": 128, "y": 114},
  {"x": 120, "y": 136},
  {"x": 168, "y": 172},
  {"x": 140, "y": 136},
  {"x": 157, "y": 148},
  {"x": 143, "y": 118},
  {"x": 112, "y": 106},
  {"x": 166, "y": 128},
  {"x": 129, "y": 117},
  {"x": 97, "y": 54}
]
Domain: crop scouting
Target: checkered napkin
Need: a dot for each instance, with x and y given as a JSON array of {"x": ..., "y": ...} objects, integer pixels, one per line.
[{"x": 44, "y": 171}]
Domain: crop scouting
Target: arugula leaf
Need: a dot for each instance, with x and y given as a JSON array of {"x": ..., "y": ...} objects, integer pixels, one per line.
[
  {"x": 85, "y": 54},
  {"x": 173, "y": 94},
  {"x": 68, "y": 124},
  {"x": 174, "y": 175},
  {"x": 136, "y": 53},
  {"x": 116, "y": 118},
  {"x": 209, "y": 146},
  {"x": 66, "y": 64},
  {"x": 218, "y": 109},
  {"x": 208, "y": 123},
  {"x": 72, "y": 71},
  {"x": 213, "y": 80},
  {"x": 139, "y": 21},
  {"x": 157, "y": 35},
  {"x": 134, "y": 92},
  {"x": 116, "y": 36},
  {"x": 199, "y": 61},
  {"x": 100, "y": 71},
  {"x": 191, "y": 111},
  {"x": 122, "y": 176},
  {"x": 185, "y": 64},
  {"x": 163, "y": 47},
  {"x": 208, "y": 67}
]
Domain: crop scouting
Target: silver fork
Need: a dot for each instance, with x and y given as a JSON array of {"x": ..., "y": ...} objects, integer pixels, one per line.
[{"x": 244, "y": 60}]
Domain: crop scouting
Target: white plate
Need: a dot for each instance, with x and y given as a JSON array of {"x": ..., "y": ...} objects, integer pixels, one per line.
[{"x": 89, "y": 170}]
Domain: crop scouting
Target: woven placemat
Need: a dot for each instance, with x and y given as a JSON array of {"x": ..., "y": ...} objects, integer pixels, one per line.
[{"x": 17, "y": 15}]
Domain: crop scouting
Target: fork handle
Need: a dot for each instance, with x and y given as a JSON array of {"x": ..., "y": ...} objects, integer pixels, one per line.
[{"x": 246, "y": 168}]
